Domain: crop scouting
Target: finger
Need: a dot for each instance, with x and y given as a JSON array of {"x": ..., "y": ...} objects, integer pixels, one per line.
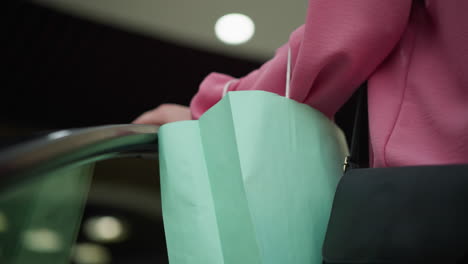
[{"x": 149, "y": 118}]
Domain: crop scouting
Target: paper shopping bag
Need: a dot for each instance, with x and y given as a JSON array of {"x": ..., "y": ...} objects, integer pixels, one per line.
[{"x": 252, "y": 181}]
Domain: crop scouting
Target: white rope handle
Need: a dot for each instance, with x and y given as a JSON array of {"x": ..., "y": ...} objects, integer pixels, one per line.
[
  {"x": 226, "y": 86},
  {"x": 288, "y": 78}
]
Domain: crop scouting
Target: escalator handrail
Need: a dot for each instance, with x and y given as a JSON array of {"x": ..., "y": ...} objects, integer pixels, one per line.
[{"x": 67, "y": 147}]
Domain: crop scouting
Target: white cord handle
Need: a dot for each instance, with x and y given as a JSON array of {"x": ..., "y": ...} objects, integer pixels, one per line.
[
  {"x": 288, "y": 78},
  {"x": 226, "y": 86}
]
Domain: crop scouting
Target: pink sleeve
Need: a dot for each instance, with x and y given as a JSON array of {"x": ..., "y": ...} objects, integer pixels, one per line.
[{"x": 340, "y": 45}]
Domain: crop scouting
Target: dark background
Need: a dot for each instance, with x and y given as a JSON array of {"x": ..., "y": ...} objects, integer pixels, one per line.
[{"x": 61, "y": 71}]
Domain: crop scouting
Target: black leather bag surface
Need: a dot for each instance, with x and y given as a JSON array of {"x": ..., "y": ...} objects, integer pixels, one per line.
[
  {"x": 400, "y": 215},
  {"x": 397, "y": 215}
]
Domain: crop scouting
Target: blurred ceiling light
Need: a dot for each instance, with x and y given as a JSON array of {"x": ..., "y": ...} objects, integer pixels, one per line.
[
  {"x": 3, "y": 222},
  {"x": 105, "y": 229},
  {"x": 234, "y": 29},
  {"x": 88, "y": 253},
  {"x": 42, "y": 240}
]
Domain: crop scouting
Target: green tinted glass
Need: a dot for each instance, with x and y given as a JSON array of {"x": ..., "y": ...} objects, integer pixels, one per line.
[{"x": 40, "y": 218}]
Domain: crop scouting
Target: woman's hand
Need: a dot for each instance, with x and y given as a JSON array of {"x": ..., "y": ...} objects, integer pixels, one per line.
[{"x": 163, "y": 114}]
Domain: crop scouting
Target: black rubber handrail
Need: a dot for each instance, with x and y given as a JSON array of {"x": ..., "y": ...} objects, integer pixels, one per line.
[{"x": 67, "y": 147}]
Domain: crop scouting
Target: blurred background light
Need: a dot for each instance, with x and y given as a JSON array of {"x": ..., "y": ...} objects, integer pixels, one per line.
[
  {"x": 234, "y": 29},
  {"x": 106, "y": 229},
  {"x": 88, "y": 253},
  {"x": 42, "y": 240}
]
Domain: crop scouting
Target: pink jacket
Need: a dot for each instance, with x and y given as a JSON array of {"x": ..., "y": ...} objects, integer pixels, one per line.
[{"x": 414, "y": 55}]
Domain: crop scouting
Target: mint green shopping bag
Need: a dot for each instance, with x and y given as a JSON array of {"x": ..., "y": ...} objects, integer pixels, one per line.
[{"x": 252, "y": 181}]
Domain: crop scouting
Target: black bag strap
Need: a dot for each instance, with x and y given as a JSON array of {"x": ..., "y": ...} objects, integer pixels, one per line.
[{"x": 359, "y": 156}]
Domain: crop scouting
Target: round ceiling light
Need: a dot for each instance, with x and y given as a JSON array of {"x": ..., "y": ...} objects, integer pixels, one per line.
[
  {"x": 89, "y": 253},
  {"x": 43, "y": 240},
  {"x": 234, "y": 29},
  {"x": 105, "y": 229}
]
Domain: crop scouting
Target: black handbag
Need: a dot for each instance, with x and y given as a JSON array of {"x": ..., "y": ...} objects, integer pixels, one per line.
[{"x": 397, "y": 215}]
